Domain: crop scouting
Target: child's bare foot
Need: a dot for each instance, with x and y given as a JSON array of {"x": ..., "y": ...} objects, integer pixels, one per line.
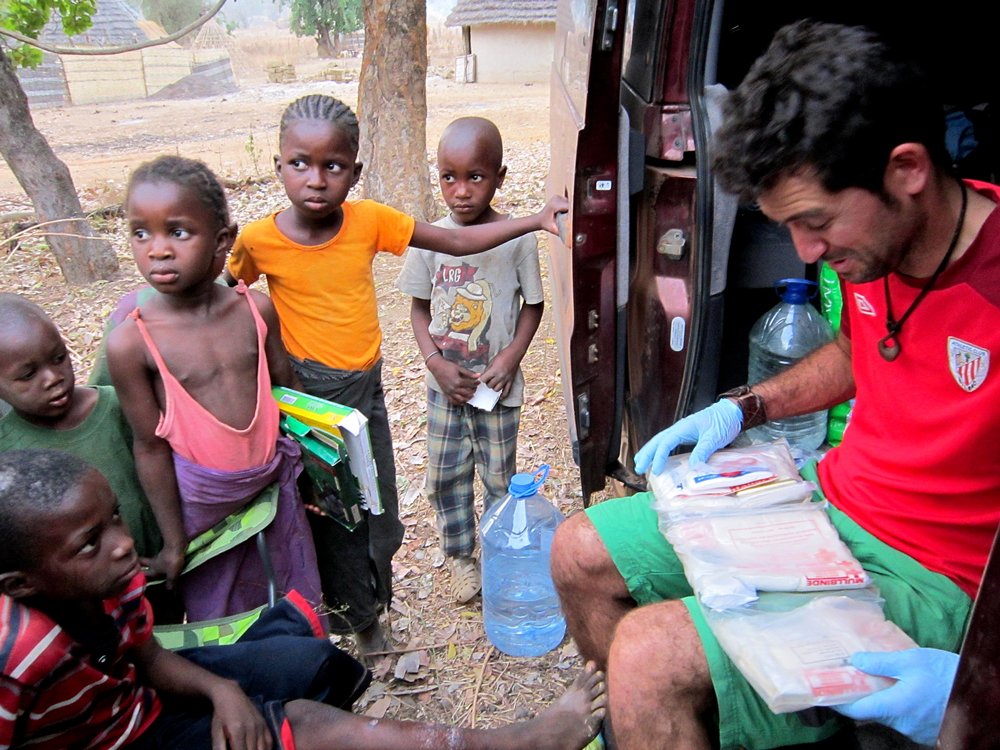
[{"x": 573, "y": 720}]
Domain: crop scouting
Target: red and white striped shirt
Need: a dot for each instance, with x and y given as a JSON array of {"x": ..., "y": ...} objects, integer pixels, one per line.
[{"x": 56, "y": 694}]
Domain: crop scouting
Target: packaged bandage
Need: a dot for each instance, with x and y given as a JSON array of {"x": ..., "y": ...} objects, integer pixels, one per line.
[
  {"x": 729, "y": 558},
  {"x": 797, "y": 659},
  {"x": 757, "y": 476}
]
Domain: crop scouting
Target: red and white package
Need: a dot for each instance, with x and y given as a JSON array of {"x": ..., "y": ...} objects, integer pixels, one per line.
[
  {"x": 797, "y": 658},
  {"x": 729, "y": 558}
]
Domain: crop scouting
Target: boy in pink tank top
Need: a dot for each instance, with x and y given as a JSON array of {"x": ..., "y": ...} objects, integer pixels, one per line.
[{"x": 193, "y": 366}]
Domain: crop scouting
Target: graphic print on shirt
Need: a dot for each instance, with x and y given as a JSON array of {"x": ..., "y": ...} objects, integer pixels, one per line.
[
  {"x": 461, "y": 306},
  {"x": 864, "y": 306},
  {"x": 969, "y": 364}
]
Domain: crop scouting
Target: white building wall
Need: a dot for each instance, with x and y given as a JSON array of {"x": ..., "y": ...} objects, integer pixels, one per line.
[{"x": 513, "y": 53}]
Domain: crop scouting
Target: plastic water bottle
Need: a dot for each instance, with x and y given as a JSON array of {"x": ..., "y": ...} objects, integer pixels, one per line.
[
  {"x": 782, "y": 336},
  {"x": 520, "y": 605},
  {"x": 831, "y": 303}
]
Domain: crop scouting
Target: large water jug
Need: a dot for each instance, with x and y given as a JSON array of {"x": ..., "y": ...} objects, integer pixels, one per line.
[
  {"x": 783, "y": 335},
  {"x": 520, "y": 605}
]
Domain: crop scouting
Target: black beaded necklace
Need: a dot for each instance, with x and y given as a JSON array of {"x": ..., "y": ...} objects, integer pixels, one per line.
[{"x": 888, "y": 345}]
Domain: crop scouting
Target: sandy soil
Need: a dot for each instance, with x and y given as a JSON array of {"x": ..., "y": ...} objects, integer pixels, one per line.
[{"x": 236, "y": 134}]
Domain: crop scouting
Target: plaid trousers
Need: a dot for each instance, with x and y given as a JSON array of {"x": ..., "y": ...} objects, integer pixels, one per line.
[{"x": 462, "y": 440}]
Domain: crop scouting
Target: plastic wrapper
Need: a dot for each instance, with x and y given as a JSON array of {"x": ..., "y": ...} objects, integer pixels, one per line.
[
  {"x": 733, "y": 480},
  {"x": 729, "y": 558},
  {"x": 793, "y": 648}
]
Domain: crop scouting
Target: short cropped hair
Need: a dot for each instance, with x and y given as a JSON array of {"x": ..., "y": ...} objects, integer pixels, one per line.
[
  {"x": 31, "y": 481},
  {"x": 828, "y": 100},
  {"x": 15, "y": 309}
]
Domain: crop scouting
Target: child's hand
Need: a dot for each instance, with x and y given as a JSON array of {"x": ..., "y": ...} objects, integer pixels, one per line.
[
  {"x": 457, "y": 383},
  {"x": 556, "y": 205},
  {"x": 236, "y": 722},
  {"x": 168, "y": 563},
  {"x": 499, "y": 375}
]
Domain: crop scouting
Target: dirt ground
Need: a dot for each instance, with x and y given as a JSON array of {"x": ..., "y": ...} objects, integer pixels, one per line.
[{"x": 444, "y": 669}]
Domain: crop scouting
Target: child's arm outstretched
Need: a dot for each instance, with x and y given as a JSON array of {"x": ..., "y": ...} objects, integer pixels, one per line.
[
  {"x": 154, "y": 461},
  {"x": 478, "y": 238},
  {"x": 236, "y": 722},
  {"x": 458, "y": 383},
  {"x": 499, "y": 374}
]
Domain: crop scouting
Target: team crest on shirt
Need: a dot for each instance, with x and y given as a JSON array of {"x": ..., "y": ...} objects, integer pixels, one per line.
[
  {"x": 864, "y": 306},
  {"x": 968, "y": 363}
]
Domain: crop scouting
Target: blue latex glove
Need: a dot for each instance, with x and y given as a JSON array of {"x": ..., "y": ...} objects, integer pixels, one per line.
[
  {"x": 915, "y": 705},
  {"x": 709, "y": 429}
]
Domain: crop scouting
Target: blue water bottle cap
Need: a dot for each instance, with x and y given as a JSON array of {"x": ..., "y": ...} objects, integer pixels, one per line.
[
  {"x": 796, "y": 291},
  {"x": 526, "y": 485}
]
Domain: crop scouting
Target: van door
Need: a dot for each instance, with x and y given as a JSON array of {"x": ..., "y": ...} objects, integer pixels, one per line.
[
  {"x": 630, "y": 283},
  {"x": 583, "y": 266}
]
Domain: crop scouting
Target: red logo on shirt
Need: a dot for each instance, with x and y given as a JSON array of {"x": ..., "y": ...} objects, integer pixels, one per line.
[{"x": 968, "y": 363}]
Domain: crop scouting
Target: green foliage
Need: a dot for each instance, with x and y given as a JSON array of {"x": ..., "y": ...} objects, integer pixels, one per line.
[
  {"x": 316, "y": 17},
  {"x": 171, "y": 14},
  {"x": 30, "y": 16}
]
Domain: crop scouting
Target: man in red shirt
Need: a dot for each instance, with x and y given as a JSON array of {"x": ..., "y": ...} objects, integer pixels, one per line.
[{"x": 843, "y": 144}]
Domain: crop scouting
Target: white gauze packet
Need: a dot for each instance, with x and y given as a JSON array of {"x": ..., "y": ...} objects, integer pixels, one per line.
[
  {"x": 756, "y": 476},
  {"x": 729, "y": 558},
  {"x": 797, "y": 659}
]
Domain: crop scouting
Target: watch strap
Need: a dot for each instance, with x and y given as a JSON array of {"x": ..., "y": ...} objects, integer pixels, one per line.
[{"x": 751, "y": 404}]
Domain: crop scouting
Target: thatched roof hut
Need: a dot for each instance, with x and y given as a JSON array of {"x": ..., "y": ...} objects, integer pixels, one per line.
[
  {"x": 63, "y": 80},
  {"x": 510, "y": 41}
]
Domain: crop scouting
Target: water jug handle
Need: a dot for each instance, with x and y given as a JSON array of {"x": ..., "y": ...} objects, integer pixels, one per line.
[
  {"x": 541, "y": 474},
  {"x": 801, "y": 289}
]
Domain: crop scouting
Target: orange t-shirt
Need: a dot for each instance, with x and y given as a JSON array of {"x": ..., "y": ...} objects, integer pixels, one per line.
[{"x": 325, "y": 294}]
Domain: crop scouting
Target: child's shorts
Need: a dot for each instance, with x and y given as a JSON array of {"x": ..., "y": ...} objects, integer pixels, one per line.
[
  {"x": 279, "y": 658},
  {"x": 927, "y": 605}
]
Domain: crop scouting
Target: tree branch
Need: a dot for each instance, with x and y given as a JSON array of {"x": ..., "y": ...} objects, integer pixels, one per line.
[{"x": 55, "y": 49}]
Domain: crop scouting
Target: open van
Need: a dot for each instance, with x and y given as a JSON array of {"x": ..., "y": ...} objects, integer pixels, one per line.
[{"x": 659, "y": 275}]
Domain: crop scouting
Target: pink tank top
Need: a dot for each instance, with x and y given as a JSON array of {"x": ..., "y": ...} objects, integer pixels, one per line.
[{"x": 196, "y": 433}]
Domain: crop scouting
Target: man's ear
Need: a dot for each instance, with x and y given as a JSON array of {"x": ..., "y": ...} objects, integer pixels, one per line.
[
  {"x": 908, "y": 170},
  {"x": 17, "y": 584},
  {"x": 358, "y": 166},
  {"x": 501, "y": 174},
  {"x": 277, "y": 164}
]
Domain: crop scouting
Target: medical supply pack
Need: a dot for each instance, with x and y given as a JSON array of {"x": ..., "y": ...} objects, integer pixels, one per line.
[
  {"x": 733, "y": 480},
  {"x": 786, "y": 598},
  {"x": 794, "y": 648},
  {"x": 330, "y": 423},
  {"x": 728, "y": 558}
]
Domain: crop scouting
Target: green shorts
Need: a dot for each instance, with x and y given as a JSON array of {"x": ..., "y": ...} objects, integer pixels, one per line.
[{"x": 927, "y": 605}]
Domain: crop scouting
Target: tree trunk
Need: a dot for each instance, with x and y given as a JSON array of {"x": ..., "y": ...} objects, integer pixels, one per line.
[
  {"x": 48, "y": 184},
  {"x": 325, "y": 46},
  {"x": 392, "y": 103}
]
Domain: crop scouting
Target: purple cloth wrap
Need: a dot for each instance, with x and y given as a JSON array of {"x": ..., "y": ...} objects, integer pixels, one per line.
[{"x": 235, "y": 581}]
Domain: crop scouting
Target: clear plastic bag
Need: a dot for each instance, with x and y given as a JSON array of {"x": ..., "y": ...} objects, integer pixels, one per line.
[
  {"x": 793, "y": 648},
  {"x": 736, "y": 479},
  {"x": 728, "y": 558}
]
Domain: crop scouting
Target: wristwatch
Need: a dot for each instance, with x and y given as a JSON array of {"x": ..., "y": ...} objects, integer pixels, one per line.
[{"x": 752, "y": 405}]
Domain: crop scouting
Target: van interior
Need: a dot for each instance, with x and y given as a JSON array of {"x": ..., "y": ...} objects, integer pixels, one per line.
[{"x": 954, "y": 46}]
